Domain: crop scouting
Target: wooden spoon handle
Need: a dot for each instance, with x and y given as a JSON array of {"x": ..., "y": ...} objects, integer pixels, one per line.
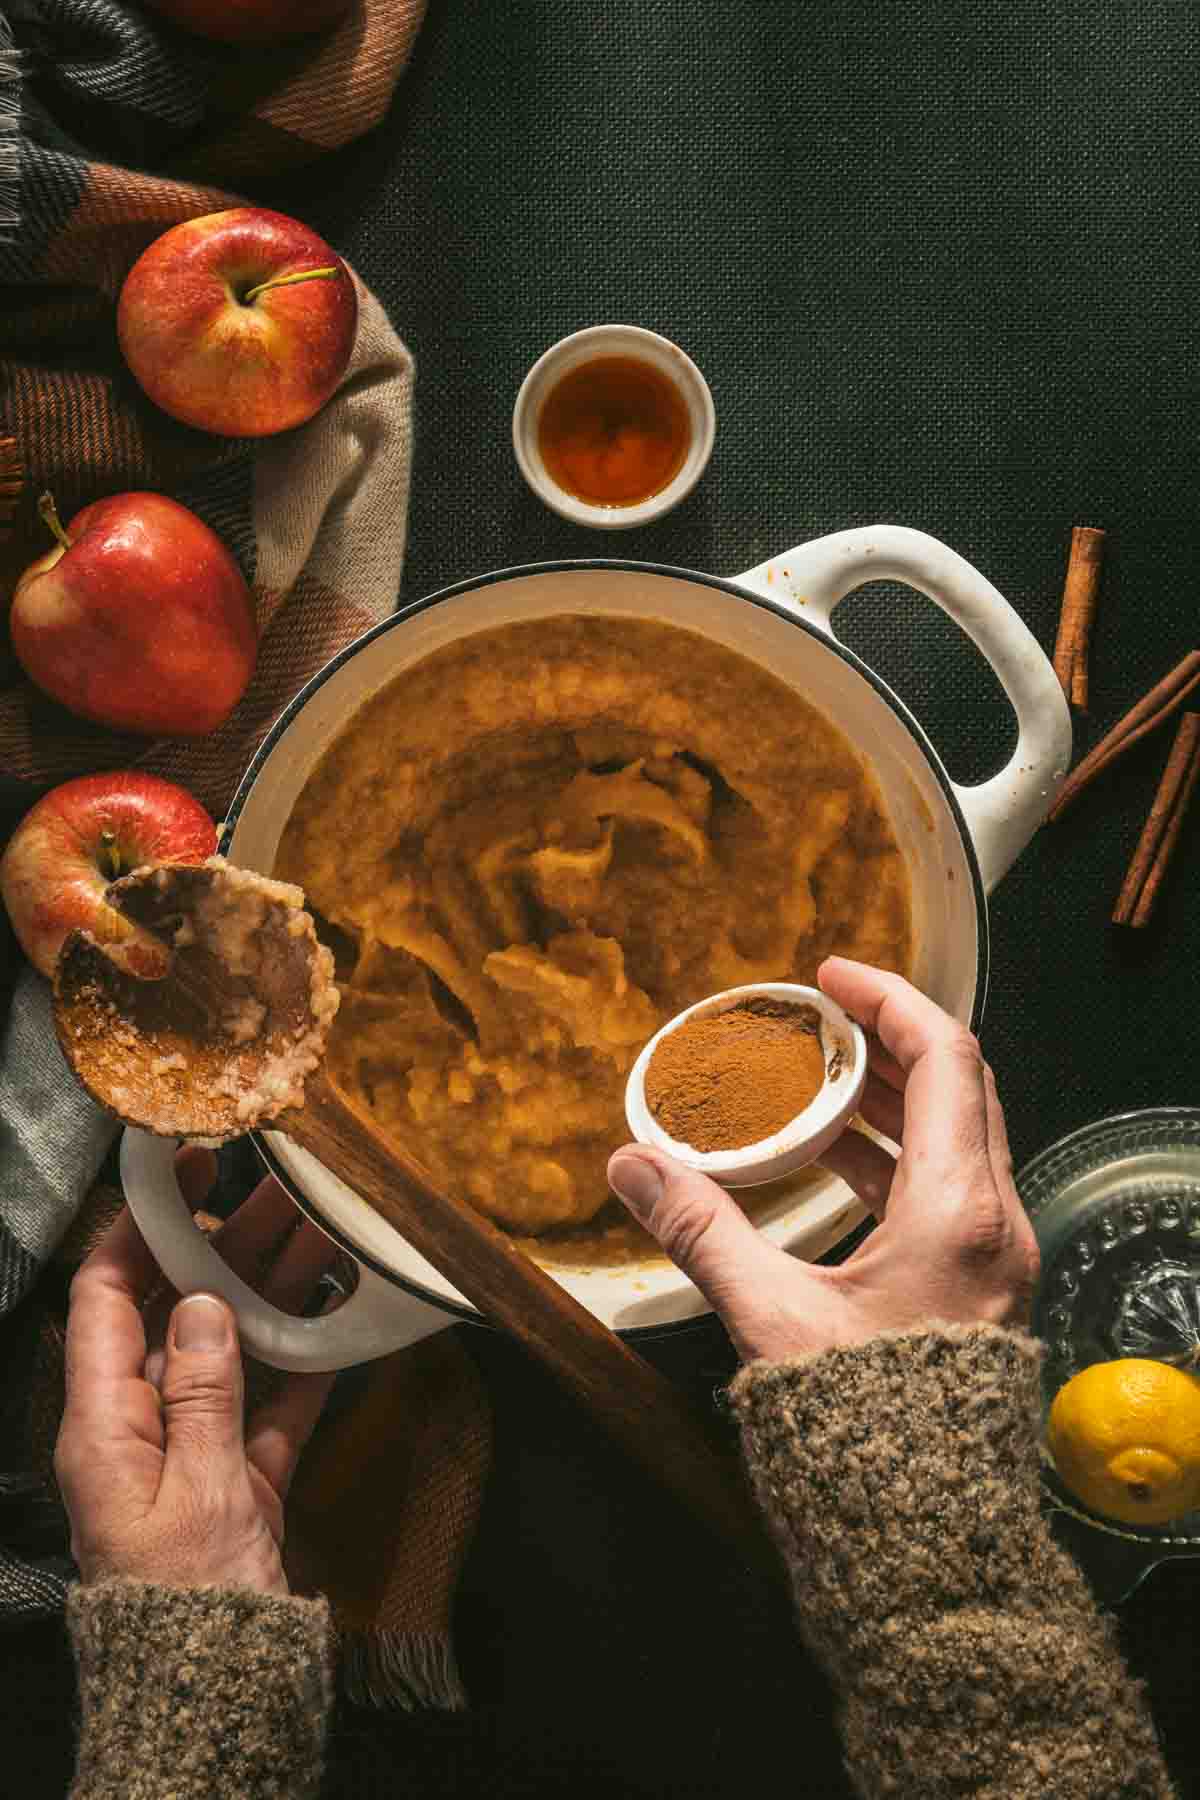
[{"x": 637, "y": 1405}]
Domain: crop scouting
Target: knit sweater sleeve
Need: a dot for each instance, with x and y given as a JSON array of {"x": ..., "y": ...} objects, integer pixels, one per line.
[
  {"x": 194, "y": 1692},
  {"x": 900, "y": 1478}
]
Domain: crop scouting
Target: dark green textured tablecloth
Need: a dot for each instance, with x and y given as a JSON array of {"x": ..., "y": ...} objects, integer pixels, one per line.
[
  {"x": 939, "y": 264},
  {"x": 938, "y": 261}
]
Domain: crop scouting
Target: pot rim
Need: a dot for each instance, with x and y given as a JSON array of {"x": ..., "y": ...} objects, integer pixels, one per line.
[{"x": 730, "y": 586}]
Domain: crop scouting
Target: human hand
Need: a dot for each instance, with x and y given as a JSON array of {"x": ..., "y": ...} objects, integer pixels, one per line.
[
  {"x": 162, "y": 1479},
  {"x": 953, "y": 1242}
]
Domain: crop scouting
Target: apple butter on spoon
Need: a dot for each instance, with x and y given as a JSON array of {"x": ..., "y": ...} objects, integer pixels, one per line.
[
  {"x": 232, "y": 1035},
  {"x": 224, "y": 1031}
]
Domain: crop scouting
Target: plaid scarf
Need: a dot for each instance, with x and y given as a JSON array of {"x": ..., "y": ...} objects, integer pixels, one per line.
[
  {"x": 73, "y": 421},
  {"x": 114, "y": 126}
]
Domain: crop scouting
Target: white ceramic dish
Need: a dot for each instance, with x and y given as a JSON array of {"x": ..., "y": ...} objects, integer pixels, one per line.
[
  {"x": 581, "y": 347},
  {"x": 958, "y": 842},
  {"x": 803, "y": 1138}
]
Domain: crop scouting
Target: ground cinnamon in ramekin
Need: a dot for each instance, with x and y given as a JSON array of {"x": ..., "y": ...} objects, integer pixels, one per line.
[{"x": 728, "y": 1079}]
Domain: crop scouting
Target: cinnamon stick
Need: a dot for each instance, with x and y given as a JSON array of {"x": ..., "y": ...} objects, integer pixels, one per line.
[
  {"x": 1152, "y": 858},
  {"x": 1081, "y": 591},
  {"x": 1151, "y": 711}
]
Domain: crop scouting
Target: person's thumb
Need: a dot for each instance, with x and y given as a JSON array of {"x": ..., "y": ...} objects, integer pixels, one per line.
[
  {"x": 202, "y": 1393},
  {"x": 702, "y": 1230}
]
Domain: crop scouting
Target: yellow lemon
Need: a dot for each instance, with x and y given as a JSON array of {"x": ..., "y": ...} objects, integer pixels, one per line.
[{"x": 1125, "y": 1438}]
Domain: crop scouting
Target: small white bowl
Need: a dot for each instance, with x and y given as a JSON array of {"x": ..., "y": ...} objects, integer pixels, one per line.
[
  {"x": 580, "y": 347},
  {"x": 803, "y": 1138}
]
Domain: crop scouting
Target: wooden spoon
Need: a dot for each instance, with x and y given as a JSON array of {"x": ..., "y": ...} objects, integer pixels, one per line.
[{"x": 231, "y": 1034}]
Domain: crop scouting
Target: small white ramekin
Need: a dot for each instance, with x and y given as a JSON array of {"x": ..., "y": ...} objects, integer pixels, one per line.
[
  {"x": 803, "y": 1138},
  {"x": 580, "y": 347}
]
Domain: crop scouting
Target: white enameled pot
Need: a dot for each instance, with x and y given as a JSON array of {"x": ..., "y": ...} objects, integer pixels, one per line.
[{"x": 958, "y": 842}]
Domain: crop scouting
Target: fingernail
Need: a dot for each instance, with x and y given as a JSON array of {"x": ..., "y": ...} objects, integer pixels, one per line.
[
  {"x": 636, "y": 1181},
  {"x": 155, "y": 1363},
  {"x": 201, "y": 1323}
]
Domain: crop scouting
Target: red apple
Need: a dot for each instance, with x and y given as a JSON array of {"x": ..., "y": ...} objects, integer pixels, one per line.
[
  {"x": 139, "y": 618},
  {"x": 251, "y": 21},
  {"x": 77, "y": 839},
  {"x": 240, "y": 322}
]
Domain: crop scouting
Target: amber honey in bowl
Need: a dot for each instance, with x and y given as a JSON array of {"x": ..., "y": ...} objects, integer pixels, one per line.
[{"x": 614, "y": 431}]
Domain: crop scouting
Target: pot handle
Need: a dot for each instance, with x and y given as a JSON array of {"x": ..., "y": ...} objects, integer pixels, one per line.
[
  {"x": 377, "y": 1318},
  {"x": 1002, "y": 813}
]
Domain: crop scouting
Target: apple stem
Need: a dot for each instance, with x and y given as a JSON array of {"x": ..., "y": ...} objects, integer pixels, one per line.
[
  {"x": 108, "y": 845},
  {"x": 48, "y": 513},
  {"x": 251, "y": 296}
]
